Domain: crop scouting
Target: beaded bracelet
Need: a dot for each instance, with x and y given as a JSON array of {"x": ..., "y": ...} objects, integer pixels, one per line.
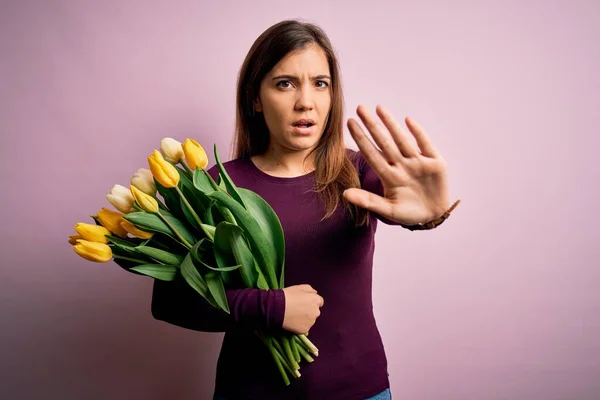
[{"x": 434, "y": 223}]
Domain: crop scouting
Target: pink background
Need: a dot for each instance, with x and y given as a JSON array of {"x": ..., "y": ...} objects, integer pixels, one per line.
[{"x": 501, "y": 302}]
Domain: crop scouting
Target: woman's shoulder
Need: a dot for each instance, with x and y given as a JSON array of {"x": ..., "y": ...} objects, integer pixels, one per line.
[
  {"x": 232, "y": 167},
  {"x": 357, "y": 159}
]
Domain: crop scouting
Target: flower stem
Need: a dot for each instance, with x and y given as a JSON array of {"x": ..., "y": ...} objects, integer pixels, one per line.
[
  {"x": 211, "y": 180},
  {"x": 276, "y": 357},
  {"x": 311, "y": 347},
  {"x": 194, "y": 214},
  {"x": 302, "y": 349},
  {"x": 181, "y": 238},
  {"x": 187, "y": 169},
  {"x": 285, "y": 341}
]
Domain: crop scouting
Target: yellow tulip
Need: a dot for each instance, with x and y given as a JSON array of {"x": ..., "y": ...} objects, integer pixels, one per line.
[
  {"x": 92, "y": 232},
  {"x": 166, "y": 174},
  {"x": 131, "y": 228},
  {"x": 145, "y": 201},
  {"x": 93, "y": 251},
  {"x": 171, "y": 150},
  {"x": 195, "y": 156},
  {"x": 73, "y": 239},
  {"x": 144, "y": 180},
  {"x": 121, "y": 199},
  {"x": 111, "y": 220}
]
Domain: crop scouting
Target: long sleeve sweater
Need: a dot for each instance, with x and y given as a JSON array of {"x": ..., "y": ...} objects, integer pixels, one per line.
[{"x": 332, "y": 256}]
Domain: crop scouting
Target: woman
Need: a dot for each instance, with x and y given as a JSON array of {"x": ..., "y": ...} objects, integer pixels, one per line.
[{"x": 290, "y": 150}]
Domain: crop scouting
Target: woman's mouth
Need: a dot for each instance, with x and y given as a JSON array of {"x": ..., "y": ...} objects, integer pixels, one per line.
[{"x": 304, "y": 127}]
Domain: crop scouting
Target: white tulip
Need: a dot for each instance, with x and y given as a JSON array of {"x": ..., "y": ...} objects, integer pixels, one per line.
[
  {"x": 144, "y": 180},
  {"x": 121, "y": 198},
  {"x": 171, "y": 150}
]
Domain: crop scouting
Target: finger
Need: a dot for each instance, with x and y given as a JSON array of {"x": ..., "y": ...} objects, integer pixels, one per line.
[
  {"x": 310, "y": 289},
  {"x": 369, "y": 201},
  {"x": 384, "y": 140},
  {"x": 427, "y": 148},
  {"x": 322, "y": 301},
  {"x": 399, "y": 135},
  {"x": 373, "y": 156}
]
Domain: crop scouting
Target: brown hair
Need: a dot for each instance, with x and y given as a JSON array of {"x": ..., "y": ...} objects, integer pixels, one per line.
[{"x": 335, "y": 171}]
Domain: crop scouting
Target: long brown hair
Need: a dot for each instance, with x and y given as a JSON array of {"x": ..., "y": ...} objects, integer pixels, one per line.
[{"x": 335, "y": 171}]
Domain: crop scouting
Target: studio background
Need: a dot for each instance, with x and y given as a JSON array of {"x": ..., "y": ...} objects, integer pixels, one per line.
[{"x": 500, "y": 302}]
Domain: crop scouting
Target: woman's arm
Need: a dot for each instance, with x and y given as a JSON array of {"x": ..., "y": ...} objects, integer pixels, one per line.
[{"x": 177, "y": 303}]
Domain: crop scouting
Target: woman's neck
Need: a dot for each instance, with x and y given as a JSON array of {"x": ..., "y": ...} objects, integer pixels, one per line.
[{"x": 284, "y": 164}]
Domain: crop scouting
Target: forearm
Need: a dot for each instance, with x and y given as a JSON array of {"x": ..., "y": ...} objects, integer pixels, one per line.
[{"x": 179, "y": 304}]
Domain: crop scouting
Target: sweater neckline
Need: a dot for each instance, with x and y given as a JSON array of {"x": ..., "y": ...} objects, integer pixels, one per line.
[{"x": 278, "y": 179}]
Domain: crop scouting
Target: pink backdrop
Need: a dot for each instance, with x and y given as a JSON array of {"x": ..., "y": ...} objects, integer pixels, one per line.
[{"x": 501, "y": 302}]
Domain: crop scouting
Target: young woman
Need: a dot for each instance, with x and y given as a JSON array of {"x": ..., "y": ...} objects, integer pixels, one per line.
[{"x": 290, "y": 150}]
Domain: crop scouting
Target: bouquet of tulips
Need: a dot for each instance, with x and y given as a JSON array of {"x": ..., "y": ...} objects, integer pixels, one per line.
[{"x": 176, "y": 219}]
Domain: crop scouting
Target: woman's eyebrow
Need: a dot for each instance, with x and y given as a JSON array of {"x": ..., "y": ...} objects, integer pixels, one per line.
[{"x": 295, "y": 78}]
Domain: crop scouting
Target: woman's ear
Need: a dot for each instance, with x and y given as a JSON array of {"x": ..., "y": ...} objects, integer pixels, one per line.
[{"x": 257, "y": 106}]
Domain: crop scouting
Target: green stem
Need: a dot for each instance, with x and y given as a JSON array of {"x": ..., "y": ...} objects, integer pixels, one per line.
[
  {"x": 194, "y": 214},
  {"x": 282, "y": 353},
  {"x": 181, "y": 238},
  {"x": 161, "y": 204},
  {"x": 309, "y": 345},
  {"x": 295, "y": 351},
  {"x": 294, "y": 372},
  {"x": 285, "y": 341},
  {"x": 211, "y": 180},
  {"x": 303, "y": 351},
  {"x": 187, "y": 169},
  {"x": 276, "y": 357}
]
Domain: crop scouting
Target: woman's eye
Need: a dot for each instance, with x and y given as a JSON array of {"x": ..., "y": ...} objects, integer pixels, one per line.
[
  {"x": 325, "y": 84},
  {"x": 281, "y": 83}
]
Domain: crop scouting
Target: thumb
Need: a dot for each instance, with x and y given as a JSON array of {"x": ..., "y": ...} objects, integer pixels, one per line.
[{"x": 367, "y": 200}]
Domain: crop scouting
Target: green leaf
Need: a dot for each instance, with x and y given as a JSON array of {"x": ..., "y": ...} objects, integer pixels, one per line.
[
  {"x": 201, "y": 181},
  {"x": 231, "y": 248},
  {"x": 195, "y": 280},
  {"x": 166, "y": 243},
  {"x": 223, "y": 269},
  {"x": 171, "y": 199},
  {"x": 263, "y": 250},
  {"x": 261, "y": 282},
  {"x": 158, "y": 271},
  {"x": 215, "y": 285},
  {"x": 123, "y": 244},
  {"x": 208, "y": 215},
  {"x": 129, "y": 253},
  {"x": 153, "y": 223},
  {"x": 227, "y": 179},
  {"x": 127, "y": 265},
  {"x": 163, "y": 257},
  {"x": 222, "y": 184},
  {"x": 270, "y": 225}
]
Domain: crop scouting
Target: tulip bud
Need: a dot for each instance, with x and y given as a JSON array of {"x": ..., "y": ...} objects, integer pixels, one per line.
[
  {"x": 135, "y": 231},
  {"x": 145, "y": 201},
  {"x": 93, "y": 251},
  {"x": 195, "y": 156},
  {"x": 121, "y": 199},
  {"x": 171, "y": 149},
  {"x": 92, "y": 232},
  {"x": 144, "y": 180},
  {"x": 73, "y": 239},
  {"x": 111, "y": 220},
  {"x": 166, "y": 174}
]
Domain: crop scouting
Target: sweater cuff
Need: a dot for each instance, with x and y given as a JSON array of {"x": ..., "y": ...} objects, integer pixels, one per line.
[{"x": 276, "y": 309}]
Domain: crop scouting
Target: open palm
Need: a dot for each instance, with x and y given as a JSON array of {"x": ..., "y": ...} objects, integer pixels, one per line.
[{"x": 414, "y": 178}]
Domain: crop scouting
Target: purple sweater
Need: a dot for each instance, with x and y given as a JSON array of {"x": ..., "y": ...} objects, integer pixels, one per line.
[{"x": 333, "y": 257}]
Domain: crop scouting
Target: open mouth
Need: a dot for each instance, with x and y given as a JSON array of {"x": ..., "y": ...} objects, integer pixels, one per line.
[{"x": 303, "y": 124}]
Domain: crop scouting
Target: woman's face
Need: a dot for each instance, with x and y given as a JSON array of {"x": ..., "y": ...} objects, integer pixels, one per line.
[{"x": 297, "y": 88}]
